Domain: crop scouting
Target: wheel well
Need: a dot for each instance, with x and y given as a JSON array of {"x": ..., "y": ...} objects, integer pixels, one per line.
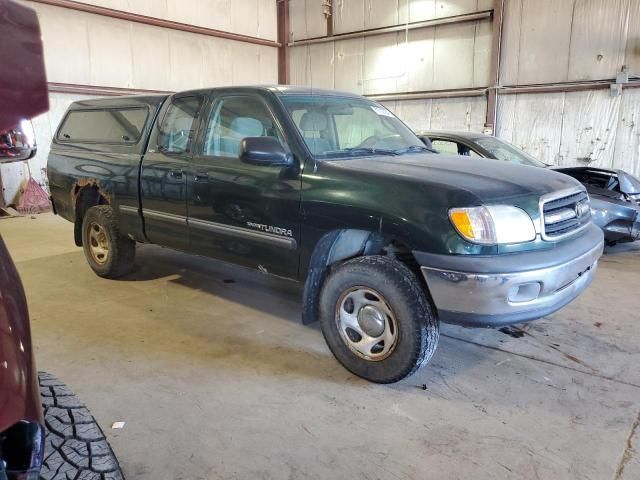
[
  {"x": 86, "y": 197},
  {"x": 340, "y": 245}
]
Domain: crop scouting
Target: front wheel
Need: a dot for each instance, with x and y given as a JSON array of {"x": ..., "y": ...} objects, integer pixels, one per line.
[{"x": 377, "y": 320}]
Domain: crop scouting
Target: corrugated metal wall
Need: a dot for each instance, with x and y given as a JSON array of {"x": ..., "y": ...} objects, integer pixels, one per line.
[
  {"x": 88, "y": 49},
  {"x": 544, "y": 41}
]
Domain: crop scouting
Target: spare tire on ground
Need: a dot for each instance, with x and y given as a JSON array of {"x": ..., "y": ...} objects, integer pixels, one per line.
[{"x": 75, "y": 447}]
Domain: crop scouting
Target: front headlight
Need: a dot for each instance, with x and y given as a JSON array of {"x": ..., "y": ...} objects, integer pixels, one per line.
[{"x": 493, "y": 224}]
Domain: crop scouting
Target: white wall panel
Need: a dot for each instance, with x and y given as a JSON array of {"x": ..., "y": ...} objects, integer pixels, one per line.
[
  {"x": 589, "y": 126},
  {"x": 299, "y": 65},
  {"x": 321, "y": 65},
  {"x": 510, "y": 49},
  {"x": 415, "y": 113},
  {"x": 458, "y": 113},
  {"x": 349, "y": 64},
  {"x": 532, "y": 122},
  {"x": 466, "y": 114},
  {"x": 453, "y": 56},
  {"x": 306, "y": 19},
  {"x": 576, "y": 128},
  {"x": 449, "y": 8},
  {"x": 420, "y": 59},
  {"x": 420, "y": 10},
  {"x": 598, "y": 37},
  {"x": 383, "y": 13},
  {"x": 482, "y": 54},
  {"x": 632, "y": 51},
  {"x": 151, "y": 69},
  {"x": 443, "y": 57},
  {"x": 186, "y": 54},
  {"x": 83, "y": 48},
  {"x": 544, "y": 41},
  {"x": 110, "y": 53},
  {"x": 627, "y": 143},
  {"x": 248, "y": 17},
  {"x": 384, "y": 64},
  {"x": 66, "y": 44},
  {"x": 348, "y": 15}
]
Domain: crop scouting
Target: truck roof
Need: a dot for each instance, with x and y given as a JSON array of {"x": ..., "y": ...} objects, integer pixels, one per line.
[
  {"x": 119, "y": 101},
  {"x": 278, "y": 90},
  {"x": 154, "y": 99}
]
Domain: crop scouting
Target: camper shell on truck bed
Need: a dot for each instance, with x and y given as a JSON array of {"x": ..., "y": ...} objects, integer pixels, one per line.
[{"x": 329, "y": 189}]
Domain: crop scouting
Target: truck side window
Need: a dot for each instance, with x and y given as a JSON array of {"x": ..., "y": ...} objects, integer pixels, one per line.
[
  {"x": 111, "y": 126},
  {"x": 235, "y": 118},
  {"x": 178, "y": 125},
  {"x": 445, "y": 146}
]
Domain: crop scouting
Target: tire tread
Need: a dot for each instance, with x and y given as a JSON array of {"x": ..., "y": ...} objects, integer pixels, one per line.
[{"x": 75, "y": 446}]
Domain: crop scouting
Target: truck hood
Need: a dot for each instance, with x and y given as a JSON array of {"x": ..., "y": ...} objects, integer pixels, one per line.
[{"x": 488, "y": 180}]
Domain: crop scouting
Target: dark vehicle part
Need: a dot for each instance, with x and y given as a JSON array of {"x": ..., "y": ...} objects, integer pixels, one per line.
[
  {"x": 75, "y": 445},
  {"x": 266, "y": 151},
  {"x": 615, "y": 200},
  {"x": 614, "y": 194},
  {"x": 108, "y": 253},
  {"x": 23, "y": 82},
  {"x": 21, "y": 423},
  {"x": 376, "y": 319},
  {"x": 18, "y": 144}
]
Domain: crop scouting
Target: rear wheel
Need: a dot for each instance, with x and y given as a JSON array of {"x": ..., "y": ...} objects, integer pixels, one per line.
[
  {"x": 108, "y": 253},
  {"x": 75, "y": 446},
  {"x": 377, "y": 320}
]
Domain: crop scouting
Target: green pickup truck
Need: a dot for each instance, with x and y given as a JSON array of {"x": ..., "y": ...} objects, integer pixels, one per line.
[{"x": 332, "y": 190}]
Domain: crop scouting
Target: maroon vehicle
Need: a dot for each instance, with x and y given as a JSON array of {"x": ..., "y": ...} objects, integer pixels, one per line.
[
  {"x": 45, "y": 432},
  {"x": 21, "y": 421}
]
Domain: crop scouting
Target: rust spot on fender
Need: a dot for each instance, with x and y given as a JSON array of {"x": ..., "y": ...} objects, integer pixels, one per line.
[{"x": 82, "y": 183}]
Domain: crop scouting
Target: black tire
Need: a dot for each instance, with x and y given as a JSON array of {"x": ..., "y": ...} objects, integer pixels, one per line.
[
  {"x": 121, "y": 249},
  {"x": 75, "y": 446},
  {"x": 418, "y": 329}
]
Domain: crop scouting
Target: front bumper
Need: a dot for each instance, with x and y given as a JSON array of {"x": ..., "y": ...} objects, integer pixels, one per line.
[{"x": 500, "y": 290}]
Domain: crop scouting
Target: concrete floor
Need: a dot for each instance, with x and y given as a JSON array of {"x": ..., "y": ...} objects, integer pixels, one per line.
[{"x": 216, "y": 377}]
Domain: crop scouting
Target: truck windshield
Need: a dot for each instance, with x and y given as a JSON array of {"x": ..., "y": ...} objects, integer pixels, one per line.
[
  {"x": 340, "y": 127},
  {"x": 504, "y": 151}
]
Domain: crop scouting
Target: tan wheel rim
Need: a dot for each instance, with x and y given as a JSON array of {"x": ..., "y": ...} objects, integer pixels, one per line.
[{"x": 99, "y": 245}]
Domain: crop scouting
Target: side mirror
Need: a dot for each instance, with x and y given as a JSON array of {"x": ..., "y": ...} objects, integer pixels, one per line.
[
  {"x": 18, "y": 144},
  {"x": 263, "y": 151}
]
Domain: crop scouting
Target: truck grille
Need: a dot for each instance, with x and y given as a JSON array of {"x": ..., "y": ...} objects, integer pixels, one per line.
[{"x": 564, "y": 215}]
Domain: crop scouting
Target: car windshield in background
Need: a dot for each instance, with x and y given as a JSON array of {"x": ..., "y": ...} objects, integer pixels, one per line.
[
  {"x": 339, "y": 127},
  {"x": 507, "y": 152}
]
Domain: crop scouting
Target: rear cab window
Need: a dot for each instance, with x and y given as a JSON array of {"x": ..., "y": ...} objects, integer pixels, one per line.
[
  {"x": 107, "y": 126},
  {"x": 177, "y": 130}
]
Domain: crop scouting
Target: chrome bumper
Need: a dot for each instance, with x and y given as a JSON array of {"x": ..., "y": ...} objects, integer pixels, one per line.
[{"x": 494, "y": 299}]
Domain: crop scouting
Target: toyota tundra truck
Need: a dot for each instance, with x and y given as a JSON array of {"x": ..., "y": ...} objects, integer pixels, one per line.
[{"x": 332, "y": 190}]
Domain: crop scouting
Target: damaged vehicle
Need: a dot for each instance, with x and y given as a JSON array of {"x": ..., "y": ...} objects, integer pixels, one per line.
[
  {"x": 614, "y": 194},
  {"x": 332, "y": 190}
]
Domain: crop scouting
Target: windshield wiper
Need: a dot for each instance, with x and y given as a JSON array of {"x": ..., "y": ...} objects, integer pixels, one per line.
[
  {"x": 414, "y": 148},
  {"x": 377, "y": 151}
]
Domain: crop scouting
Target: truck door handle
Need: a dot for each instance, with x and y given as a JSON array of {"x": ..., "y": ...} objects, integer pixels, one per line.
[
  {"x": 201, "y": 177},
  {"x": 176, "y": 173}
]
